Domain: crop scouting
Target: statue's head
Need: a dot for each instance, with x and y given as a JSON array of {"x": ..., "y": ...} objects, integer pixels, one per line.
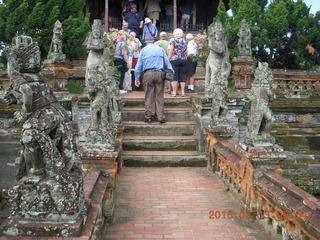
[
  {"x": 217, "y": 31},
  {"x": 57, "y": 27},
  {"x": 23, "y": 56},
  {"x": 263, "y": 75},
  {"x": 97, "y": 29}
]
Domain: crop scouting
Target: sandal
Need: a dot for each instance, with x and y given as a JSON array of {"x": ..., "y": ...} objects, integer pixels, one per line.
[
  {"x": 182, "y": 95},
  {"x": 173, "y": 95}
]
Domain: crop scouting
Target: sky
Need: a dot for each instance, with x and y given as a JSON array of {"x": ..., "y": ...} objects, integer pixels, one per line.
[{"x": 315, "y": 5}]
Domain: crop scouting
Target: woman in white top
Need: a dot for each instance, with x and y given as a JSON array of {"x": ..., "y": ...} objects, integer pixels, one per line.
[{"x": 192, "y": 50}]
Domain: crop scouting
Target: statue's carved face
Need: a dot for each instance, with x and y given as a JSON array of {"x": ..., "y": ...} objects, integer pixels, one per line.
[
  {"x": 218, "y": 35},
  {"x": 96, "y": 33}
]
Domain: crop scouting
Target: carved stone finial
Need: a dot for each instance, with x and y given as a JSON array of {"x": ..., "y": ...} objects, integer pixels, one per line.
[
  {"x": 55, "y": 54},
  {"x": 96, "y": 40},
  {"x": 244, "y": 42},
  {"x": 48, "y": 169},
  {"x": 260, "y": 118},
  {"x": 23, "y": 56},
  {"x": 217, "y": 66}
]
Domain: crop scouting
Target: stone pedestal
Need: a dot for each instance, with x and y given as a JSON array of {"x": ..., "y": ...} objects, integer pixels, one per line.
[
  {"x": 97, "y": 192},
  {"x": 56, "y": 74},
  {"x": 97, "y": 157},
  {"x": 217, "y": 134},
  {"x": 242, "y": 72}
]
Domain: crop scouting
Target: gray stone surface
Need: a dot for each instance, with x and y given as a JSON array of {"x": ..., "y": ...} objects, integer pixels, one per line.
[
  {"x": 260, "y": 117},
  {"x": 217, "y": 66},
  {"x": 244, "y": 42},
  {"x": 55, "y": 54},
  {"x": 102, "y": 92},
  {"x": 48, "y": 168}
]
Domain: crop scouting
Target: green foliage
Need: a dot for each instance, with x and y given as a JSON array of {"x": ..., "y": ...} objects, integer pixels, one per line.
[
  {"x": 284, "y": 33},
  {"x": 4, "y": 198},
  {"x": 37, "y": 17},
  {"x": 74, "y": 87}
]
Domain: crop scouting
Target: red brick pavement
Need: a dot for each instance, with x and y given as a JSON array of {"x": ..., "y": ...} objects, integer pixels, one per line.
[{"x": 174, "y": 203}]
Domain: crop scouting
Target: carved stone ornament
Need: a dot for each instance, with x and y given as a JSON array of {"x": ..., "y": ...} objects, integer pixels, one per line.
[
  {"x": 217, "y": 66},
  {"x": 104, "y": 106},
  {"x": 260, "y": 117},
  {"x": 244, "y": 42},
  {"x": 48, "y": 169},
  {"x": 96, "y": 40},
  {"x": 55, "y": 54}
]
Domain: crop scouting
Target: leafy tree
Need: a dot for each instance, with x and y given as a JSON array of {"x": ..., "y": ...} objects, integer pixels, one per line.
[
  {"x": 37, "y": 17},
  {"x": 284, "y": 33}
]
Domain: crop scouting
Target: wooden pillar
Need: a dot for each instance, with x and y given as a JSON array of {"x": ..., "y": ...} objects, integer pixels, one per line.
[
  {"x": 174, "y": 14},
  {"x": 106, "y": 16},
  {"x": 194, "y": 12}
]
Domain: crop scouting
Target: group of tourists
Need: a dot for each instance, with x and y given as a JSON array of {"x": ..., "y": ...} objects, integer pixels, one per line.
[
  {"x": 181, "y": 52},
  {"x": 142, "y": 62}
]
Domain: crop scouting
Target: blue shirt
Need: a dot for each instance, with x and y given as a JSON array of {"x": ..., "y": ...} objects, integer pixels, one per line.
[
  {"x": 151, "y": 57},
  {"x": 133, "y": 19},
  {"x": 149, "y": 31}
]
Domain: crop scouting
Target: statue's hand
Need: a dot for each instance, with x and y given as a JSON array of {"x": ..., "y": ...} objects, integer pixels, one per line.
[
  {"x": 21, "y": 116},
  {"x": 9, "y": 98}
]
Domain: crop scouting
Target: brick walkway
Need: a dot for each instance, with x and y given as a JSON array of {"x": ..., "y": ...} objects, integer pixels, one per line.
[{"x": 174, "y": 203}]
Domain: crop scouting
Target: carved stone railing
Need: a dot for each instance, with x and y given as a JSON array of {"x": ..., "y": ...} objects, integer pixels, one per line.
[
  {"x": 266, "y": 196},
  {"x": 296, "y": 83}
]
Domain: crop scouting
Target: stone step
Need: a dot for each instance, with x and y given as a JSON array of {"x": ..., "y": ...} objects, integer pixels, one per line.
[
  {"x": 172, "y": 114},
  {"x": 164, "y": 159},
  {"x": 175, "y": 102},
  {"x": 160, "y": 143},
  {"x": 137, "y": 128}
]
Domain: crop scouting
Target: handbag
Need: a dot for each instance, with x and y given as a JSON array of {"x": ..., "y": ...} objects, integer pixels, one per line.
[{"x": 166, "y": 74}]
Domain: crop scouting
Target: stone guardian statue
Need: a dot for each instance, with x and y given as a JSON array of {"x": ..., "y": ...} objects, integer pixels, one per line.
[
  {"x": 48, "y": 170},
  {"x": 55, "y": 54},
  {"x": 102, "y": 92},
  {"x": 260, "y": 117},
  {"x": 217, "y": 66},
  {"x": 244, "y": 42}
]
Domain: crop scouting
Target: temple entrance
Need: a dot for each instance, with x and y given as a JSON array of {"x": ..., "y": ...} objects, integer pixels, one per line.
[{"x": 202, "y": 13}]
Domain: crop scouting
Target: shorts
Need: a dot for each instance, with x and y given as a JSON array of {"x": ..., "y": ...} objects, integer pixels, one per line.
[
  {"x": 186, "y": 16},
  {"x": 153, "y": 15},
  {"x": 191, "y": 67},
  {"x": 179, "y": 66}
]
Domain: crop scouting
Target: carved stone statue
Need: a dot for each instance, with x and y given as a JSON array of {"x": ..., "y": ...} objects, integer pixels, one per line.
[
  {"x": 96, "y": 45},
  {"x": 244, "y": 42},
  {"x": 217, "y": 66},
  {"x": 102, "y": 92},
  {"x": 55, "y": 54},
  {"x": 48, "y": 169},
  {"x": 260, "y": 118},
  {"x": 103, "y": 106}
]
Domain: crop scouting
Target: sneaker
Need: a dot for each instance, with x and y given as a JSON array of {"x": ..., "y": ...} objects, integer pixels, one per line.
[
  {"x": 148, "y": 120},
  {"x": 123, "y": 91},
  {"x": 189, "y": 91},
  {"x": 162, "y": 121}
]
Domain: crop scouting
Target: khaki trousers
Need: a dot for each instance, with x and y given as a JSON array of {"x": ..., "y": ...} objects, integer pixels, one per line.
[{"x": 154, "y": 96}]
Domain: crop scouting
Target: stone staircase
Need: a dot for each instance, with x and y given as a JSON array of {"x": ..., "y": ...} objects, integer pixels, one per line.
[{"x": 173, "y": 144}]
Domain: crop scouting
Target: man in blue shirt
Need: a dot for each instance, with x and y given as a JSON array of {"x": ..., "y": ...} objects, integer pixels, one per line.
[
  {"x": 152, "y": 60},
  {"x": 134, "y": 20}
]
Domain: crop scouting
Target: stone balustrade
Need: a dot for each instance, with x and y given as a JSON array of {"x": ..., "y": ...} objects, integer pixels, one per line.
[{"x": 255, "y": 177}]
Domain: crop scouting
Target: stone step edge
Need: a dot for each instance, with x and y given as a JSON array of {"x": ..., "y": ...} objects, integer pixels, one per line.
[
  {"x": 185, "y": 109},
  {"x": 129, "y": 123},
  {"x": 162, "y": 153},
  {"x": 160, "y": 138}
]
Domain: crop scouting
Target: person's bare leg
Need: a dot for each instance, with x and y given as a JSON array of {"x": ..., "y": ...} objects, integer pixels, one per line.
[
  {"x": 182, "y": 86},
  {"x": 174, "y": 87}
]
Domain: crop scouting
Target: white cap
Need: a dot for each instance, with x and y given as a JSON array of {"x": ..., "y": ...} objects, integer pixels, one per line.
[{"x": 147, "y": 20}]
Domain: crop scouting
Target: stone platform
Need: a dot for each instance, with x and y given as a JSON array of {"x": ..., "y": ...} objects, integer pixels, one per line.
[{"x": 97, "y": 192}]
